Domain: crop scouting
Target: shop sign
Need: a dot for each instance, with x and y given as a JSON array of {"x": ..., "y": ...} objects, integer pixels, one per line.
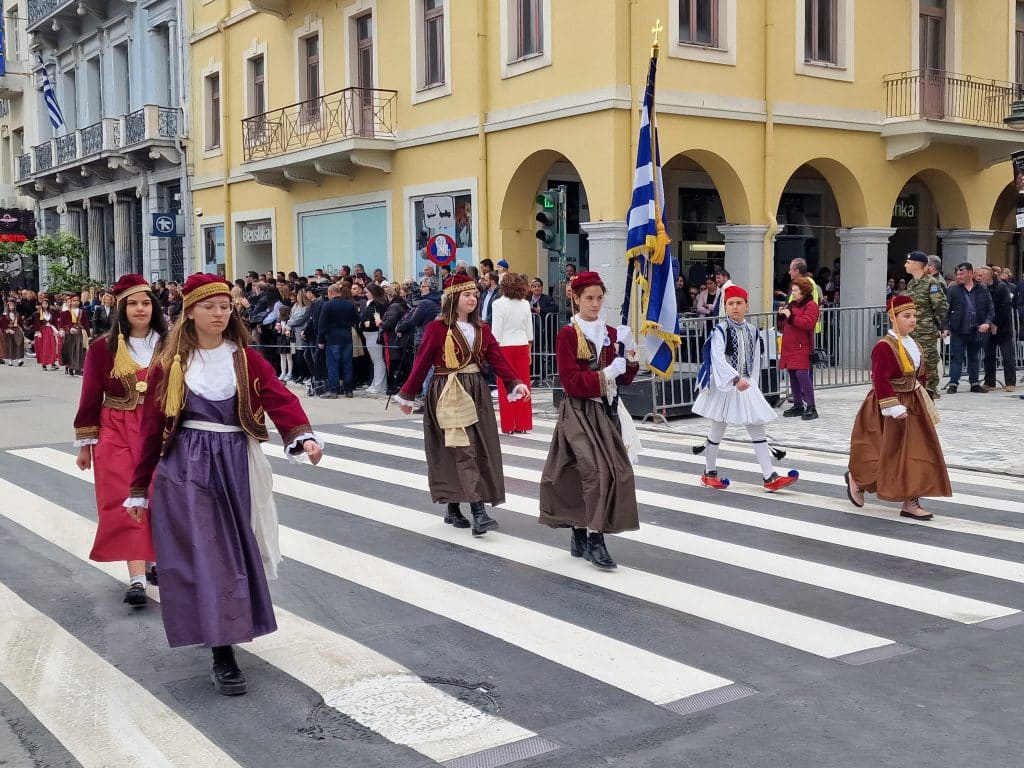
[{"x": 254, "y": 232}]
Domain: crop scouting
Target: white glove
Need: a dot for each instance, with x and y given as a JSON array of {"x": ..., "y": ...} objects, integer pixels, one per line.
[
  {"x": 616, "y": 369},
  {"x": 894, "y": 411},
  {"x": 625, "y": 336},
  {"x": 520, "y": 392}
]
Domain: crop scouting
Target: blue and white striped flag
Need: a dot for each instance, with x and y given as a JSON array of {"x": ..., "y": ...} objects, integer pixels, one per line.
[
  {"x": 50, "y": 97},
  {"x": 648, "y": 247}
]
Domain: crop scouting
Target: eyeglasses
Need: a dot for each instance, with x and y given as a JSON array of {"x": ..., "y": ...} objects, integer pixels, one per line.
[{"x": 209, "y": 306}]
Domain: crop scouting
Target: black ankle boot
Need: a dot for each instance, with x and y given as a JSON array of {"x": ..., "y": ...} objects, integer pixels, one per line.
[
  {"x": 227, "y": 677},
  {"x": 810, "y": 414},
  {"x": 796, "y": 410},
  {"x": 578, "y": 545},
  {"x": 597, "y": 552},
  {"x": 482, "y": 522},
  {"x": 454, "y": 517}
]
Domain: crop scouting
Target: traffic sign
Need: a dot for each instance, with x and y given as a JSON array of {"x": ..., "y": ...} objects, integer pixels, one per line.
[
  {"x": 164, "y": 225},
  {"x": 441, "y": 250}
]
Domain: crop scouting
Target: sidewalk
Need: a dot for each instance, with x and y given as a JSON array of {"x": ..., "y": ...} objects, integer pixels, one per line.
[{"x": 979, "y": 432}]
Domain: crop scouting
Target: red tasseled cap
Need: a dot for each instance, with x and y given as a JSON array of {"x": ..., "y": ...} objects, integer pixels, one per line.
[
  {"x": 735, "y": 292},
  {"x": 129, "y": 284}
]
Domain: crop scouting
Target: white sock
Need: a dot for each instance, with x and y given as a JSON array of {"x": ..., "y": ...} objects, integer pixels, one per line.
[
  {"x": 715, "y": 435},
  {"x": 759, "y": 437},
  {"x": 138, "y": 580}
]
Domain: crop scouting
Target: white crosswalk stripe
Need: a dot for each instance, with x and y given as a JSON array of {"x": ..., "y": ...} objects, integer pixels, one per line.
[{"x": 729, "y": 590}]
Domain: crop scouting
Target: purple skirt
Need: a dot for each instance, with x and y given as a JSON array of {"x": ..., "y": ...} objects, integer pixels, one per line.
[{"x": 213, "y": 588}]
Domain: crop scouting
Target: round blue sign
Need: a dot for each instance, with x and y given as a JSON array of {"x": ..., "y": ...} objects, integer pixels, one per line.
[{"x": 441, "y": 250}]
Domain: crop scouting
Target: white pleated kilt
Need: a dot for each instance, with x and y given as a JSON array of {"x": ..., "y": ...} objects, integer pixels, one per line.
[{"x": 734, "y": 407}]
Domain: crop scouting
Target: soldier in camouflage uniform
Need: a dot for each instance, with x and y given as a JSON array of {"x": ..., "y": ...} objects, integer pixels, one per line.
[{"x": 929, "y": 295}]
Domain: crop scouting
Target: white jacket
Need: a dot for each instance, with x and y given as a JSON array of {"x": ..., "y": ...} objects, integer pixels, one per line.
[{"x": 512, "y": 322}]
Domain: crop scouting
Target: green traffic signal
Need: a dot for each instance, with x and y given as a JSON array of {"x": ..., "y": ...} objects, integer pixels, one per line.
[{"x": 551, "y": 218}]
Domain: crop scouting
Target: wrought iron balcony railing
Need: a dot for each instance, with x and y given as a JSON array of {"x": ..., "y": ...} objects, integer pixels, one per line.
[
  {"x": 938, "y": 95},
  {"x": 349, "y": 113},
  {"x": 111, "y": 135},
  {"x": 39, "y": 10}
]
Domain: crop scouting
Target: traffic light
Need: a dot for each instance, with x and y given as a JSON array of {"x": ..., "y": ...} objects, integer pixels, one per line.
[{"x": 551, "y": 218}]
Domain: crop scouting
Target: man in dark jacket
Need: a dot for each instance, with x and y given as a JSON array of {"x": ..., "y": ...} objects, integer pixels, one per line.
[
  {"x": 334, "y": 336},
  {"x": 1001, "y": 339},
  {"x": 970, "y": 316},
  {"x": 488, "y": 296}
]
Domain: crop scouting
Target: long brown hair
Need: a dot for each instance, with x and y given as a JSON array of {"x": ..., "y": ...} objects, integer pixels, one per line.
[
  {"x": 183, "y": 340},
  {"x": 449, "y": 305},
  {"x": 120, "y": 324}
]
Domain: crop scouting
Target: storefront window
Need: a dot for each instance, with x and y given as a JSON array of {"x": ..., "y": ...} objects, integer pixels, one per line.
[
  {"x": 214, "y": 251},
  {"x": 444, "y": 214},
  {"x": 349, "y": 236}
]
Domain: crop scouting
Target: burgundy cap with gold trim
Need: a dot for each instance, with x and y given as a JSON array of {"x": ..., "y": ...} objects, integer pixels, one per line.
[
  {"x": 899, "y": 303},
  {"x": 129, "y": 285},
  {"x": 583, "y": 280},
  {"x": 201, "y": 286},
  {"x": 458, "y": 283}
]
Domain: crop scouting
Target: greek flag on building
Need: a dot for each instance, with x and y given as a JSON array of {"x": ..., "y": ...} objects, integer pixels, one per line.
[
  {"x": 648, "y": 247},
  {"x": 50, "y": 97}
]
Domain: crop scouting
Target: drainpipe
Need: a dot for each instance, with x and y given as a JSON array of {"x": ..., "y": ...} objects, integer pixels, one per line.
[
  {"x": 483, "y": 73},
  {"x": 225, "y": 136},
  {"x": 768, "y": 261},
  {"x": 184, "y": 73}
]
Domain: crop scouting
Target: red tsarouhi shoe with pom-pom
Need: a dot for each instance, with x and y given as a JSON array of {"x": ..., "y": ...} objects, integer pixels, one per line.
[
  {"x": 777, "y": 481},
  {"x": 712, "y": 480}
]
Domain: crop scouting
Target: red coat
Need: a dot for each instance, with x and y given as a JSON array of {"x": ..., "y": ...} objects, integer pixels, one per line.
[
  {"x": 798, "y": 335},
  {"x": 431, "y": 353},
  {"x": 887, "y": 376},
  {"x": 259, "y": 393},
  {"x": 6, "y": 322},
  {"x": 576, "y": 376},
  {"x": 38, "y": 323},
  {"x": 64, "y": 321},
  {"x": 100, "y": 389}
]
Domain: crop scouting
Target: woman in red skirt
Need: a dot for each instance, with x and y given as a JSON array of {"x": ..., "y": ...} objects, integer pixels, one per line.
[
  {"x": 107, "y": 427},
  {"x": 512, "y": 326},
  {"x": 46, "y": 335}
]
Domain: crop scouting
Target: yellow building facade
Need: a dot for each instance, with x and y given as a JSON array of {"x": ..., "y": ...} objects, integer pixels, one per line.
[{"x": 848, "y": 132}]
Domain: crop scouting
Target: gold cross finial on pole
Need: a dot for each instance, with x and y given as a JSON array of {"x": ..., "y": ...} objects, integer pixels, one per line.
[{"x": 656, "y": 30}]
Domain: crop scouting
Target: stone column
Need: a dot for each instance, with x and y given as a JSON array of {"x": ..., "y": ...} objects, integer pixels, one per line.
[
  {"x": 608, "y": 257},
  {"x": 864, "y": 259},
  {"x": 97, "y": 269},
  {"x": 960, "y": 245},
  {"x": 76, "y": 222},
  {"x": 123, "y": 257},
  {"x": 744, "y": 261}
]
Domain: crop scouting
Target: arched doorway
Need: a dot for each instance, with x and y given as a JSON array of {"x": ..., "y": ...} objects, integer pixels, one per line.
[
  {"x": 929, "y": 202},
  {"x": 1006, "y": 247}
]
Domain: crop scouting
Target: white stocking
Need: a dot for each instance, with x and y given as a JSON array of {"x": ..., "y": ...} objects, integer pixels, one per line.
[
  {"x": 715, "y": 435},
  {"x": 759, "y": 437}
]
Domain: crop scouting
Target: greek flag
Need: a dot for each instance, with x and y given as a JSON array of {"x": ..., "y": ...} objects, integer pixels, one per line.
[
  {"x": 50, "y": 97},
  {"x": 648, "y": 248}
]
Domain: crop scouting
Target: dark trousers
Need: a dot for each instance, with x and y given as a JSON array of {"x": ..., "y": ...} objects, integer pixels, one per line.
[
  {"x": 339, "y": 364},
  {"x": 802, "y": 386},
  {"x": 959, "y": 345},
  {"x": 1003, "y": 342}
]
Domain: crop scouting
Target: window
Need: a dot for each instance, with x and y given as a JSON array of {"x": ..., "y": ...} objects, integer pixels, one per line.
[
  {"x": 529, "y": 28},
  {"x": 433, "y": 43},
  {"x": 214, "y": 252},
  {"x": 311, "y": 78},
  {"x": 213, "y": 111},
  {"x": 257, "y": 86},
  {"x": 698, "y": 22},
  {"x": 821, "y": 35},
  {"x": 13, "y": 33}
]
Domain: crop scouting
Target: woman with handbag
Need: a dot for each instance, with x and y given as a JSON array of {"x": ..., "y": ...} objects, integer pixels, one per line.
[{"x": 796, "y": 324}]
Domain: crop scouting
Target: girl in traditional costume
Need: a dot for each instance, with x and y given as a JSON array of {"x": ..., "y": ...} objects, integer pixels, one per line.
[
  {"x": 460, "y": 432},
  {"x": 894, "y": 448},
  {"x": 588, "y": 484},
  {"x": 730, "y": 393},
  {"x": 73, "y": 326},
  {"x": 107, "y": 427},
  {"x": 211, "y": 506},
  {"x": 13, "y": 346},
  {"x": 45, "y": 340}
]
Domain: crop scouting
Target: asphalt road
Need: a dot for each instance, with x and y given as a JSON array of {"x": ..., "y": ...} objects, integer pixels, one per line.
[{"x": 742, "y": 629}]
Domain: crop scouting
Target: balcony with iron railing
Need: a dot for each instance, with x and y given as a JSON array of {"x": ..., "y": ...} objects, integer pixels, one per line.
[
  {"x": 127, "y": 141},
  {"x": 332, "y": 135},
  {"x": 930, "y": 105}
]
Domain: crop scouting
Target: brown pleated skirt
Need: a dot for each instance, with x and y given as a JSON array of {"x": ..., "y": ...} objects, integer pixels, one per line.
[
  {"x": 588, "y": 480},
  {"x": 899, "y": 459},
  {"x": 14, "y": 344},
  {"x": 473, "y": 472},
  {"x": 72, "y": 351}
]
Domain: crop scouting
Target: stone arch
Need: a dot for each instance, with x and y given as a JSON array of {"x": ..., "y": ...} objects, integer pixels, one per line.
[
  {"x": 728, "y": 183},
  {"x": 950, "y": 201},
  {"x": 845, "y": 187}
]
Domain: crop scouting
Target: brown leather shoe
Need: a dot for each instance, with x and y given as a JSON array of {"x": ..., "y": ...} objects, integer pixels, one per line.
[
  {"x": 1009, "y": 388},
  {"x": 853, "y": 492}
]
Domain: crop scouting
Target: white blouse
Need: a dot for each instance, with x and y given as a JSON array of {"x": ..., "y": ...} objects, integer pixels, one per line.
[
  {"x": 211, "y": 372},
  {"x": 512, "y": 322},
  {"x": 141, "y": 349}
]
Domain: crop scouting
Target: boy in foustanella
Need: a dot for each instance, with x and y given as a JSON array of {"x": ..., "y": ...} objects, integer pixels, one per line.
[{"x": 894, "y": 448}]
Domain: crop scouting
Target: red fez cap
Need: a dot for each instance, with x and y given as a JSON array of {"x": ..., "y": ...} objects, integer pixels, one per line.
[
  {"x": 129, "y": 285},
  {"x": 735, "y": 292},
  {"x": 583, "y": 280},
  {"x": 458, "y": 283},
  {"x": 202, "y": 286},
  {"x": 898, "y": 303}
]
